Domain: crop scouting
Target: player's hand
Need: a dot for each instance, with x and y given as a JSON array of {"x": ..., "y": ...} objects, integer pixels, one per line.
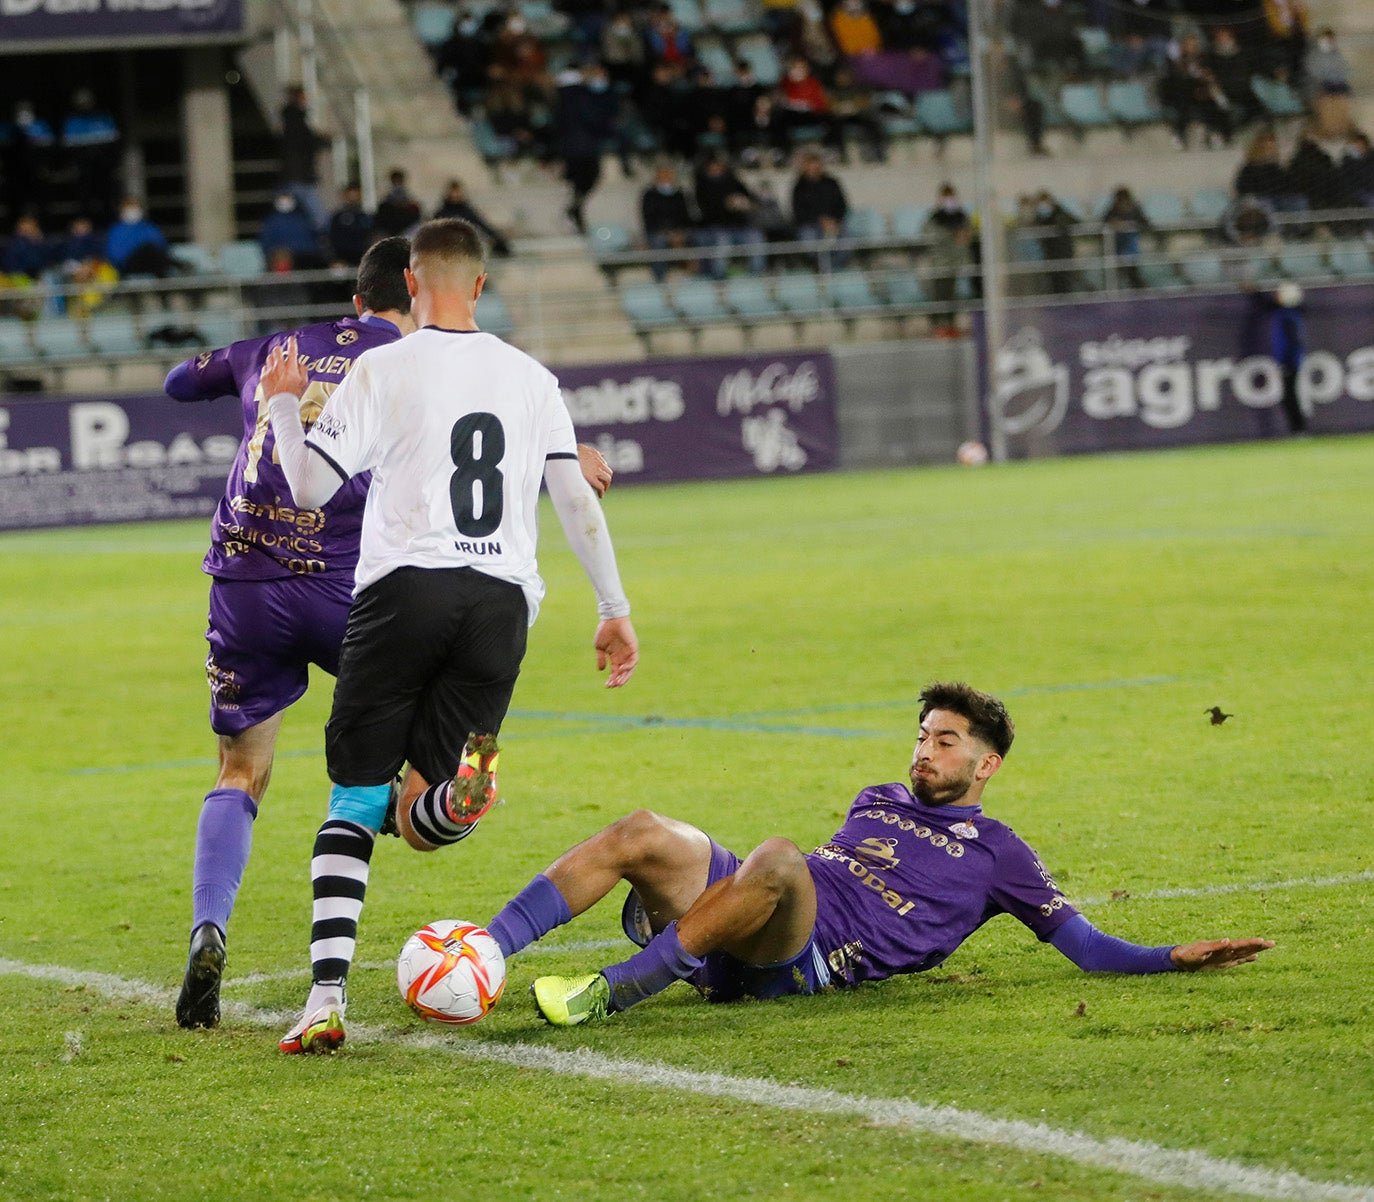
[
  {"x": 595, "y": 470},
  {"x": 283, "y": 371},
  {"x": 1217, "y": 953},
  {"x": 617, "y": 645}
]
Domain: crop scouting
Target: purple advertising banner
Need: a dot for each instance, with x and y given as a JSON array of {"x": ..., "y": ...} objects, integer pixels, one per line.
[
  {"x": 107, "y": 20},
  {"x": 1117, "y": 375},
  {"x": 68, "y": 461},
  {"x": 689, "y": 419}
]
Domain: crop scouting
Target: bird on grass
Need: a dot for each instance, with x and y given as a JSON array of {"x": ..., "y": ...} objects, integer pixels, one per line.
[{"x": 1217, "y": 716}]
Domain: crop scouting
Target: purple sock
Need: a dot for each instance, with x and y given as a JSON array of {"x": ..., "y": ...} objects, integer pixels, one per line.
[
  {"x": 646, "y": 973},
  {"x": 224, "y": 837},
  {"x": 529, "y": 915}
]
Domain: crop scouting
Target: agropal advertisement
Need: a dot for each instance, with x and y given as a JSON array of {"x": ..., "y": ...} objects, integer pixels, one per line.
[{"x": 1175, "y": 371}]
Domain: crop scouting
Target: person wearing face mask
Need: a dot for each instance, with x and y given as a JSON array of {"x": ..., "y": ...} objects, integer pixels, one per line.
[
  {"x": 1325, "y": 70},
  {"x": 905, "y": 25},
  {"x": 587, "y": 123},
  {"x": 135, "y": 245},
  {"x": 287, "y": 228},
  {"x": 949, "y": 235},
  {"x": 301, "y": 145},
  {"x": 667, "y": 217},
  {"x": 1053, "y": 229}
]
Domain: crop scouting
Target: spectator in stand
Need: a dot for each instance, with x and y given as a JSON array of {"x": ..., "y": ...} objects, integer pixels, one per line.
[
  {"x": 855, "y": 29},
  {"x": 398, "y": 211},
  {"x": 351, "y": 228},
  {"x": 456, "y": 204},
  {"x": 1143, "y": 24},
  {"x": 518, "y": 61},
  {"x": 665, "y": 107},
  {"x": 464, "y": 60},
  {"x": 743, "y": 91},
  {"x": 512, "y": 116},
  {"x": 27, "y": 254},
  {"x": 90, "y": 140},
  {"x": 667, "y": 216},
  {"x": 1325, "y": 70},
  {"x": 805, "y": 104},
  {"x": 948, "y": 232},
  {"x": 811, "y": 40},
  {"x": 1054, "y": 230},
  {"x": 27, "y": 166},
  {"x": 589, "y": 19},
  {"x": 709, "y": 104},
  {"x": 81, "y": 260},
  {"x": 852, "y": 108},
  {"x": 1315, "y": 175},
  {"x": 769, "y": 218},
  {"x": 1357, "y": 166},
  {"x": 779, "y": 17},
  {"x": 1190, "y": 91},
  {"x": 726, "y": 206},
  {"x": 1019, "y": 103},
  {"x": 1287, "y": 21},
  {"x": 300, "y": 151},
  {"x": 1049, "y": 33},
  {"x": 819, "y": 207},
  {"x": 136, "y": 246},
  {"x": 668, "y": 43},
  {"x": 765, "y": 137},
  {"x": 288, "y": 228},
  {"x": 588, "y": 123},
  {"x": 1248, "y": 223},
  {"x": 1264, "y": 176},
  {"x": 1127, "y": 221},
  {"x": 905, "y": 24},
  {"x": 1232, "y": 66},
  {"x": 622, "y": 50}
]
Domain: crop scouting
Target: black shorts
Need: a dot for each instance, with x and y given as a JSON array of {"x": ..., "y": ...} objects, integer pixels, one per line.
[{"x": 430, "y": 654}]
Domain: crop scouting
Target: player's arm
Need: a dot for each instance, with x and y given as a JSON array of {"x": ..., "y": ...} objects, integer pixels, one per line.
[
  {"x": 202, "y": 378},
  {"x": 595, "y": 470},
  {"x": 313, "y": 477},
  {"x": 587, "y": 534},
  {"x": 1096, "y": 951}
]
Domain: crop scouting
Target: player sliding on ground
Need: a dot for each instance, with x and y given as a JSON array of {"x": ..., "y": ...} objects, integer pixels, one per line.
[{"x": 910, "y": 875}]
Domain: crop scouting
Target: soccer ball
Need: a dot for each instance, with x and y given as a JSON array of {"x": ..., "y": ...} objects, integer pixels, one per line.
[
  {"x": 972, "y": 454},
  {"x": 451, "y": 972}
]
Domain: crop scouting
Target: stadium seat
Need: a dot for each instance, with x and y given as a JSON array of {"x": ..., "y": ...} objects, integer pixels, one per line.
[
  {"x": 1203, "y": 270},
  {"x": 646, "y": 306},
  {"x": 114, "y": 334},
  {"x": 1277, "y": 98},
  {"x": 800, "y": 294},
  {"x": 760, "y": 54},
  {"x": 14, "y": 340},
  {"x": 60, "y": 338},
  {"x": 865, "y": 223},
  {"x": 493, "y": 147},
  {"x": 713, "y": 55},
  {"x": 939, "y": 115},
  {"x": 909, "y": 221},
  {"x": 1208, "y": 204},
  {"x": 242, "y": 259},
  {"x": 609, "y": 239},
  {"x": 732, "y": 16},
  {"x": 543, "y": 19},
  {"x": 851, "y": 293},
  {"x": 1097, "y": 47},
  {"x": 904, "y": 291},
  {"x": 748, "y": 296},
  {"x": 1163, "y": 208},
  {"x": 1049, "y": 102},
  {"x": 492, "y": 314},
  {"x": 433, "y": 22},
  {"x": 1131, "y": 104},
  {"x": 1158, "y": 273},
  {"x": 898, "y": 117},
  {"x": 1351, "y": 260},
  {"x": 1082, "y": 104},
  {"x": 200, "y": 260},
  {"x": 218, "y": 329},
  {"x": 698, "y": 302},
  {"x": 1303, "y": 261},
  {"x": 688, "y": 14}
]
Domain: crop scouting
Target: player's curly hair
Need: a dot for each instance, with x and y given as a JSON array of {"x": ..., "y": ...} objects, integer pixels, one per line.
[{"x": 987, "y": 717}]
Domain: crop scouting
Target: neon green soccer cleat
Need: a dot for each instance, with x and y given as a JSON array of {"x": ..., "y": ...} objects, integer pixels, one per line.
[{"x": 567, "y": 1001}]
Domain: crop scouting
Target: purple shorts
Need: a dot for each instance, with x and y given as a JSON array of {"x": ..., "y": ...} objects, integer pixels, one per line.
[
  {"x": 263, "y": 636},
  {"x": 725, "y": 979}
]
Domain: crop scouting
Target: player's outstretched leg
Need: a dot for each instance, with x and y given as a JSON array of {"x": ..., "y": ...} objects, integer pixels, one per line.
[
  {"x": 198, "y": 1003},
  {"x": 449, "y": 811}
]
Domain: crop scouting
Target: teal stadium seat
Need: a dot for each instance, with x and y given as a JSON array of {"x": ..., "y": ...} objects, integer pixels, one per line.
[
  {"x": 1164, "y": 208},
  {"x": 909, "y": 221},
  {"x": 194, "y": 256},
  {"x": 1208, "y": 204},
  {"x": 15, "y": 346},
  {"x": 865, "y": 223},
  {"x": 1131, "y": 104},
  {"x": 1303, "y": 261},
  {"x": 1352, "y": 261},
  {"x": 759, "y": 53},
  {"x": 905, "y": 291},
  {"x": 1203, "y": 270},
  {"x": 939, "y": 115},
  {"x": 748, "y": 296},
  {"x": 433, "y": 22},
  {"x": 1082, "y": 105},
  {"x": 242, "y": 260},
  {"x": 60, "y": 338},
  {"x": 115, "y": 334},
  {"x": 493, "y": 147},
  {"x": 713, "y": 55},
  {"x": 1158, "y": 273},
  {"x": 1097, "y": 47},
  {"x": 698, "y": 302},
  {"x": 646, "y": 306},
  {"x": 688, "y": 14},
  {"x": 852, "y": 294},
  {"x": 1277, "y": 98},
  {"x": 218, "y": 329},
  {"x": 609, "y": 239},
  {"x": 898, "y": 117},
  {"x": 800, "y": 294},
  {"x": 732, "y": 16}
]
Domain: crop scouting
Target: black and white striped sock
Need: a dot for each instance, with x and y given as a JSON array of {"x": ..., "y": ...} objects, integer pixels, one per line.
[
  {"x": 430, "y": 818},
  {"x": 338, "y": 873}
]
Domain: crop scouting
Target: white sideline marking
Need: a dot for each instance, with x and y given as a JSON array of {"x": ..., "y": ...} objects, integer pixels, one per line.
[
  {"x": 1305, "y": 882},
  {"x": 1138, "y": 1158}
]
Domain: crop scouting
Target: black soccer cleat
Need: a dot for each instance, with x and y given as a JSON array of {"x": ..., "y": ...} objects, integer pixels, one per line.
[{"x": 198, "y": 1005}]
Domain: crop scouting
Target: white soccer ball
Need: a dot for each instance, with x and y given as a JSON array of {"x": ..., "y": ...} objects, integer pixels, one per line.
[
  {"x": 451, "y": 972},
  {"x": 972, "y": 453}
]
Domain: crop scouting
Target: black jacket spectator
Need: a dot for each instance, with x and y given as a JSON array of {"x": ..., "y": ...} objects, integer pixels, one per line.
[
  {"x": 818, "y": 200},
  {"x": 457, "y": 205},
  {"x": 300, "y": 144},
  {"x": 1316, "y": 175},
  {"x": 722, "y": 198},
  {"x": 665, "y": 210},
  {"x": 351, "y": 229}
]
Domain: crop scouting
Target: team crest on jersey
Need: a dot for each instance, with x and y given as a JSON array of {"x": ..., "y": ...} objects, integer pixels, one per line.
[
  {"x": 965, "y": 830},
  {"x": 203, "y": 360},
  {"x": 344, "y": 337},
  {"x": 882, "y": 852}
]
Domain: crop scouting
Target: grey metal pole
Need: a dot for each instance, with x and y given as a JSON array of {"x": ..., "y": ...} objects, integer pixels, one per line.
[{"x": 994, "y": 274}]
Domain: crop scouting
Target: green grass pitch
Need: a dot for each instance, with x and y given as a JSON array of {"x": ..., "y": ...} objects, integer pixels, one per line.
[{"x": 787, "y": 626}]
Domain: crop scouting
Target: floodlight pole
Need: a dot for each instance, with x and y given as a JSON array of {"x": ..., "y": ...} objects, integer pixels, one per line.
[{"x": 991, "y": 240}]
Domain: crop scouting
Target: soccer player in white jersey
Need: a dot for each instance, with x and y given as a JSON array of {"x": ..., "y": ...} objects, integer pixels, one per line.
[{"x": 457, "y": 428}]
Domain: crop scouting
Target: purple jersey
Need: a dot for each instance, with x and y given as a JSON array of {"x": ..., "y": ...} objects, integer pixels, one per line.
[
  {"x": 257, "y": 532},
  {"x": 901, "y": 885}
]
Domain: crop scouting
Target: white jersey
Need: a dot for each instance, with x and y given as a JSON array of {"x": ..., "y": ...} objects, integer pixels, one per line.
[{"x": 455, "y": 427}]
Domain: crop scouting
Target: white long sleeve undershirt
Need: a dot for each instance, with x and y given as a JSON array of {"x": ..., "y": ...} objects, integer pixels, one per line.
[{"x": 313, "y": 479}]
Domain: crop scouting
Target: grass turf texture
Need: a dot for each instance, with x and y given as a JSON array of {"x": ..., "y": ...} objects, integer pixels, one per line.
[{"x": 787, "y": 627}]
